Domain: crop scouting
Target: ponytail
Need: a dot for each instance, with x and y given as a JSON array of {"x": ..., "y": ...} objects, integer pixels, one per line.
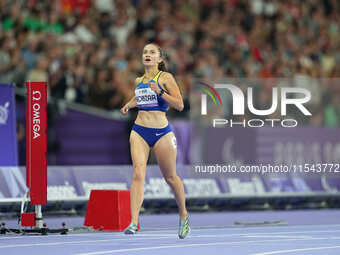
[{"x": 162, "y": 67}]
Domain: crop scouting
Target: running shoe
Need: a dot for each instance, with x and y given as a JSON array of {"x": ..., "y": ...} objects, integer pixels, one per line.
[
  {"x": 184, "y": 228},
  {"x": 131, "y": 229}
]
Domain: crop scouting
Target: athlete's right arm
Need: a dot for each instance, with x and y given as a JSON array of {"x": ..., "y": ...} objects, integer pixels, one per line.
[{"x": 131, "y": 104}]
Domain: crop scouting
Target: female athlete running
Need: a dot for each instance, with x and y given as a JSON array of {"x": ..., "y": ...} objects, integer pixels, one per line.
[{"x": 155, "y": 90}]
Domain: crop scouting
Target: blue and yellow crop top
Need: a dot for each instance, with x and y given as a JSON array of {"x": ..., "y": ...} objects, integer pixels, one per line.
[{"x": 147, "y": 99}]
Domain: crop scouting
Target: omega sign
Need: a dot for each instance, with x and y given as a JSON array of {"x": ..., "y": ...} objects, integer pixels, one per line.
[{"x": 36, "y": 107}]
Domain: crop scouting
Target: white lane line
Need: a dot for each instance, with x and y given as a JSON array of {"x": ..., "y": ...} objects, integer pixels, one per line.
[
  {"x": 77, "y": 242},
  {"x": 197, "y": 245},
  {"x": 152, "y": 237},
  {"x": 233, "y": 228},
  {"x": 296, "y": 250},
  {"x": 256, "y": 234},
  {"x": 275, "y": 236},
  {"x": 229, "y": 229},
  {"x": 68, "y": 235},
  {"x": 146, "y": 234},
  {"x": 71, "y": 235}
]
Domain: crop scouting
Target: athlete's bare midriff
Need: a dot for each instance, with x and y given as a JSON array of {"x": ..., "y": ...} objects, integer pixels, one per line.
[{"x": 152, "y": 119}]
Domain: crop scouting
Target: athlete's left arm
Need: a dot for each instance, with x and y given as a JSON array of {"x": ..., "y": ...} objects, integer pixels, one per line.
[{"x": 173, "y": 95}]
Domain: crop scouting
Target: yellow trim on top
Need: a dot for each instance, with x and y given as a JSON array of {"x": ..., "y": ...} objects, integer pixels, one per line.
[
  {"x": 154, "y": 78},
  {"x": 157, "y": 76}
]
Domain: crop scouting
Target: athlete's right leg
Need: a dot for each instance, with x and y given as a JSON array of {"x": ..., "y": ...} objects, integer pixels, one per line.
[{"x": 139, "y": 153}]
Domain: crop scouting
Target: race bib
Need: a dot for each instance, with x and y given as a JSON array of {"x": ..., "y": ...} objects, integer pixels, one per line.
[{"x": 146, "y": 97}]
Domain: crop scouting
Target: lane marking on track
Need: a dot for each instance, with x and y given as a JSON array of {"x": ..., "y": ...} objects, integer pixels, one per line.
[
  {"x": 153, "y": 237},
  {"x": 169, "y": 231},
  {"x": 196, "y": 245},
  {"x": 233, "y": 227},
  {"x": 75, "y": 242},
  {"x": 53, "y": 235},
  {"x": 296, "y": 250},
  {"x": 275, "y": 236}
]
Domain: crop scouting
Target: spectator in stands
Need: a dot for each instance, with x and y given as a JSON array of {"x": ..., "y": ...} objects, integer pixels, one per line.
[{"x": 332, "y": 112}]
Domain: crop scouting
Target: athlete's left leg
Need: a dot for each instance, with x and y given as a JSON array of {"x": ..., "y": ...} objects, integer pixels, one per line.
[{"x": 166, "y": 152}]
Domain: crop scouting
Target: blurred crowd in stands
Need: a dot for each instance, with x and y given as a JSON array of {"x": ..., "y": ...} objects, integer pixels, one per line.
[{"x": 89, "y": 51}]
